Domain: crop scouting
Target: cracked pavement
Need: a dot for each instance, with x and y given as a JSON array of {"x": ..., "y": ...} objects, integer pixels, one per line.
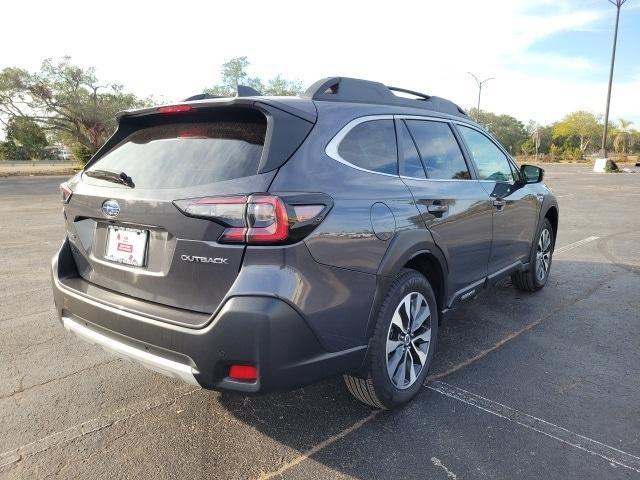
[{"x": 567, "y": 355}]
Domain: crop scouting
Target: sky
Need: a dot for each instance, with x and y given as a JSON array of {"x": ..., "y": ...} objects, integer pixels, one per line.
[{"x": 547, "y": 58}]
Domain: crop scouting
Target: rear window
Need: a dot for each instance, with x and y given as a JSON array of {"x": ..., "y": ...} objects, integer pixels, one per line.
[{"x": 177, "y": 155}]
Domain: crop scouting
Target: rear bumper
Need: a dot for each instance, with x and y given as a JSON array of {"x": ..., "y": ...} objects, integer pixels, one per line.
[
  {"x": 152, "y": 361},
  {"x": 250, "y": 330}
]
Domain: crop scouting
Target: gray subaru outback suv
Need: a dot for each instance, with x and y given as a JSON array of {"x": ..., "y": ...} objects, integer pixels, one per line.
[{"x": 256, "y": 243}]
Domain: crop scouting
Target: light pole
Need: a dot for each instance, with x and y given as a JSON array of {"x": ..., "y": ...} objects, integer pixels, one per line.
[
  {"x": 480, "y": 84},
  {"x": 617, "y": 4}
]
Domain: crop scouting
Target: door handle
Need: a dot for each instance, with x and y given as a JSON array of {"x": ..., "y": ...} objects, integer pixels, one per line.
[
  {"x": 433, "y": 208},
  {"x": 499, "y": 203},
  {"x": 437, "y": 210}
]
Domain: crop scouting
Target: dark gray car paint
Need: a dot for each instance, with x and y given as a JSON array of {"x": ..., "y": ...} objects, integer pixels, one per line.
[
  {"x": 323, "y": 292},
  {"x": 172, "y": 234}
]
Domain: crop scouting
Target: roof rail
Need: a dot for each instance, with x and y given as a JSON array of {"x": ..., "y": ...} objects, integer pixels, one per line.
[
  {"x": 422, "y": 96},
  {"x": 345, "y": 89}
]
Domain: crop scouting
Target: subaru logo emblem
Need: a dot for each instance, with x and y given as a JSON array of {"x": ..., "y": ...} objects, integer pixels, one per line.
[{"x": 110, "y": 208}]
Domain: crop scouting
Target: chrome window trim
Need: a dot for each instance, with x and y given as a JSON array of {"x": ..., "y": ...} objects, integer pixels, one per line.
[
  {"x": 441, "y": 179},
  {"x": 332, "y": 147},
  {"x": 419, "y": 117}
]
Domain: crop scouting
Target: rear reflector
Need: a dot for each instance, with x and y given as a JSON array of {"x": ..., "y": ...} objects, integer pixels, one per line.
[
  {"x": 244, "y": 373},
  {"x": 169, "y": 109}
]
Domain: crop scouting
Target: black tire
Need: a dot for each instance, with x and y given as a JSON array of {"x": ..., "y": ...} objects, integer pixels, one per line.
[
  {"x": 378, "y": 389},
  {"x": 529, "y": 280}
]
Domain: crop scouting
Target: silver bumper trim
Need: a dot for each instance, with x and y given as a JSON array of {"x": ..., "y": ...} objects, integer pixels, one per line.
[{"x": 147, "y": 359}]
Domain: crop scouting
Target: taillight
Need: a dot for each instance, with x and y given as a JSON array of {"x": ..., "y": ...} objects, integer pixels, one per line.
[
  {"x": 258, "y": 219},
  {"x": 170, "y": 109},
  {"x": 267, "y": 219},
  {"x": 65, "y": 192}
]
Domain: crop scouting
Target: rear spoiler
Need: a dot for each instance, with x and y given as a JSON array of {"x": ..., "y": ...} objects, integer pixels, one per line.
[{"x": 286, "y": 129}]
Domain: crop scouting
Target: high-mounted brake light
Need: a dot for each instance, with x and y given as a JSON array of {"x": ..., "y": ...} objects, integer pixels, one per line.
[
  {"x": 65, "y": 192},
  {"x": 169, "y": 109}
]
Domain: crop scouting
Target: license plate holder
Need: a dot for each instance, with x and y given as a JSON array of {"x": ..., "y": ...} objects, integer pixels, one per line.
[{"x": 127, "y": 246}]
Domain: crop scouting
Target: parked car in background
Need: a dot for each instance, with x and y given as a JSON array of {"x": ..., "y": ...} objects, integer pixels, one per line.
[{"x": 57, "y": 152}]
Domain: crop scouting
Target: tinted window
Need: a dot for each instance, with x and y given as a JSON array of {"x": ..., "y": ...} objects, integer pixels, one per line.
[
  {"x": 187, "y": 154},
  {"x": 439, "y": 149},
  {"x": 410, "y": 163},
  {"x": 491, "y": 162},
  {"x": 371, "y": 145}
]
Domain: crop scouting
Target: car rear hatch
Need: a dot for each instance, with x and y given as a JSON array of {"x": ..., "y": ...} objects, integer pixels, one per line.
[{"x": 123, "y": 220}]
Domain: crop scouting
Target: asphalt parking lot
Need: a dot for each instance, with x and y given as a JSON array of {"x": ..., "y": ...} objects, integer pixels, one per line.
[{"x": 543, "y": 385}]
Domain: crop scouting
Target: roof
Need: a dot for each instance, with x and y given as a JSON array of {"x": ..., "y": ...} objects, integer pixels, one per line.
[
  {"x": 353, "y": 90},
  {"x": 330, "y": 89}
]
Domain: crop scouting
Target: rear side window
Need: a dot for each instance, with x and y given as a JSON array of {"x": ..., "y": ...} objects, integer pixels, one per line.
[
  {"x": 371, "y": 145},
  {"x": 180, "y": 155},
  {"x": 439, "y": 150}
]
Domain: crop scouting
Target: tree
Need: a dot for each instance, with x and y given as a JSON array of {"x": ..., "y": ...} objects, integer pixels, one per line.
[
  {"x": 509, "y": 131},
  {"x": 546, "y": 137},
  {"x": 65, "y": 100},
  {"x": 623, "y": 136},
  {"x": 581, "y": 128},
  {"x": 24, "y": 139},
  {"x": 280, "y": 86},
  {"x": 533, "y": 129},
  {"x": 234, "y": 73}
]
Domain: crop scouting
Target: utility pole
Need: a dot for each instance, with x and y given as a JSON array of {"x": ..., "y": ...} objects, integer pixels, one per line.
[
  {"x": 480, "y": 84},
  {"x": 617, "y": 4}
]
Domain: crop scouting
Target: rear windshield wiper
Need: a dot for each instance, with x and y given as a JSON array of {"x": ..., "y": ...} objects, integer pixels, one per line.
[{"x": 110, "y": 176}]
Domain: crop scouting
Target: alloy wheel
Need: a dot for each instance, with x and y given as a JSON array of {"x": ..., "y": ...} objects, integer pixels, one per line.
[
  {"x": 408, "y": 340},
  {"x": 543, "y": 255}
]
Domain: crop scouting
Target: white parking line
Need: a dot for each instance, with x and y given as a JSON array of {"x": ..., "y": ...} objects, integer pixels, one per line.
[
  {"x": 438, "y": 463},
  {"x": 573, "y": 245},
  {"x": 611, "y": 454},
  {"x": 315, "y": 449},
  {"x": 94, "y": 425}
]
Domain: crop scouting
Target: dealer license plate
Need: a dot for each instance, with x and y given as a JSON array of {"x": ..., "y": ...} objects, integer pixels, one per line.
[{"x": 126, "y": 245}]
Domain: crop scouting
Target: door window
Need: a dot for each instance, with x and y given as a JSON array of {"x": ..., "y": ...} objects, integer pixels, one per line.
[
  {"x": 440, "y": 152},
  {"x": 491, "y": 162},
  {"x": 410, "y": 163}
]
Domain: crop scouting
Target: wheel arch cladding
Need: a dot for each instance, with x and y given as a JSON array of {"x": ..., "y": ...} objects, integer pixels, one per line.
[
  {"x": 428, "y": 265},
  {"x": 410, "y": 249},
  {"x": 552, "y": 215}
]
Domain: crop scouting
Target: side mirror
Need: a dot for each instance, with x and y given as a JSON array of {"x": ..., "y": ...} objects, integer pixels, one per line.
[{"x": 531, "y": 173}]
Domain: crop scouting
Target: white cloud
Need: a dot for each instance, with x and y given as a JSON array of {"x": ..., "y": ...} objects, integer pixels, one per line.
[{"x": 176, "y": 50}]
